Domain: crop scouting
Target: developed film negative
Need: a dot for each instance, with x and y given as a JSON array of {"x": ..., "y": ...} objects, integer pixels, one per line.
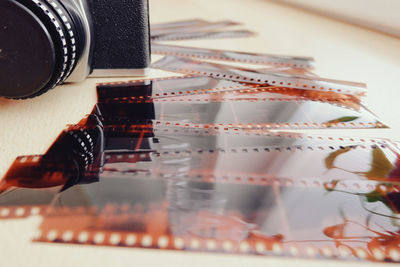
[
  {"x": 190, "y": 27},
  {"x": 227, "y": 215},
  {"x": 246, "y": 112},
  {"x": 178, "y": 24},
  {"x": 227, "y": 218},
  {"x": 140, "y": 90},
  {"x": 119, "y": 178},
  {"x": 204, "y": 35},
  {"x": 195, "y": 29},
  {"x": 253, "y": 58},
  {"x": 205, "y": 102},
  {"x": 188, "y": 66}
]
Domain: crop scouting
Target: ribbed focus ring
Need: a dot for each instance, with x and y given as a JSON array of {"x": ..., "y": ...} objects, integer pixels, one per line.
[
  {"x": 63, "y": 25},
  {"x": 57, "y": 27},
  {"x": 69, "y": 34},
  {"x": 41, "y": 41}
]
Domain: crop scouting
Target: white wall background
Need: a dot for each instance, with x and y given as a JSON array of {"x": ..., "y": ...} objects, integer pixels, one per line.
[{"x": 381, "y": 15}]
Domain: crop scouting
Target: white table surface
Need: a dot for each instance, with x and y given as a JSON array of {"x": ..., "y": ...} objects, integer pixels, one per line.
[{"x": 342, "y": 51}]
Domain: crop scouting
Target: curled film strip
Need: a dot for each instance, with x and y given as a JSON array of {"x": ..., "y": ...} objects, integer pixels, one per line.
[
  {"x": 194, "y": 26},
  {"x": 204, "y": 35},
  {"x": 178, "y": 24},
  {"x": 214, "y": 54},
  {"x": 176, "y": 87},
  {"x": 164, "y": 87},
  {"x": 220, "y": 71},
  {"x": 344, "y": 111}
]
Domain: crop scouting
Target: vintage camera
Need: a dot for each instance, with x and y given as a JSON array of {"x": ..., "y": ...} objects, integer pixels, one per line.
[{"x": 44, "y": 43}]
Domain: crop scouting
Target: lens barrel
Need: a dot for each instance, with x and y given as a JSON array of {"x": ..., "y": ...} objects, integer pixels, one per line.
[{"x": 39, "y": 46}]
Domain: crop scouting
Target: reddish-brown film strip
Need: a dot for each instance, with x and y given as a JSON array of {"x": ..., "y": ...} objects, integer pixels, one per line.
[
  {"x": 173, "y": 87},
  {"x": 204, "y": 102},
  {"x": 244, "y": 219}
]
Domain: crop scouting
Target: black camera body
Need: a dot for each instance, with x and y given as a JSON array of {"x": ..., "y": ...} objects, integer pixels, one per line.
[{"x": 44, "y": 43}]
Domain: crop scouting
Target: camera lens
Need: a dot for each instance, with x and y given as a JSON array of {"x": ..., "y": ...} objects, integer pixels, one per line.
[{"x": 38, "y": 46}]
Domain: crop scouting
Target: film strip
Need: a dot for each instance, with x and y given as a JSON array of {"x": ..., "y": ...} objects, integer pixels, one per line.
[
  {"x": 205, "y": 102},
  {"x": 244, "y": 219},
  {"x": 175, "y": 87},
  {"x": 21, "y": 212},
  {"x": 190, "y": 27},
  {"x": 204, "y": 35},
  {"x": 139, "y": 90},
  {"x": 213, "y": 54},
  {"x": 289, "y": 70},
  {"x": 330, "y": 163},
  {"x": 173, "y": 138},
  {"x": 178, "y": 24},
  {"x": 188, "y": 66},
  {"x": 255, "y": 95},
  {"x": 252, "y": 113},
  {"x": 196, "y": 29}
]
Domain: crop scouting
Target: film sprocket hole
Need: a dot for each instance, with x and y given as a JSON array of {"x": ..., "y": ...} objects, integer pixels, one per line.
[{"x": 47, "y": 42}]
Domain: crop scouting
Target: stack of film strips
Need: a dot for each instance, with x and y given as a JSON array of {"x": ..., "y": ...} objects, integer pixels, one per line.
[{"x": 200, "y": 162}]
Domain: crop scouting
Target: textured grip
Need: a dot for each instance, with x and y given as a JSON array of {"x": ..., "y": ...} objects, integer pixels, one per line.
[{"x": 121, "y": 34}]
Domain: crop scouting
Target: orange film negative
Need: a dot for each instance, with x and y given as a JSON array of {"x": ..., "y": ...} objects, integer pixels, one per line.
[
  {"x": 179, "y": 189},
  {"x": 272, "y": 220},
  {"x": 141, "y": 90},
  {"x": 205, "y": 102},
  {"x": 254, "y": 58},
  {"x": 273, "y": 78}
]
